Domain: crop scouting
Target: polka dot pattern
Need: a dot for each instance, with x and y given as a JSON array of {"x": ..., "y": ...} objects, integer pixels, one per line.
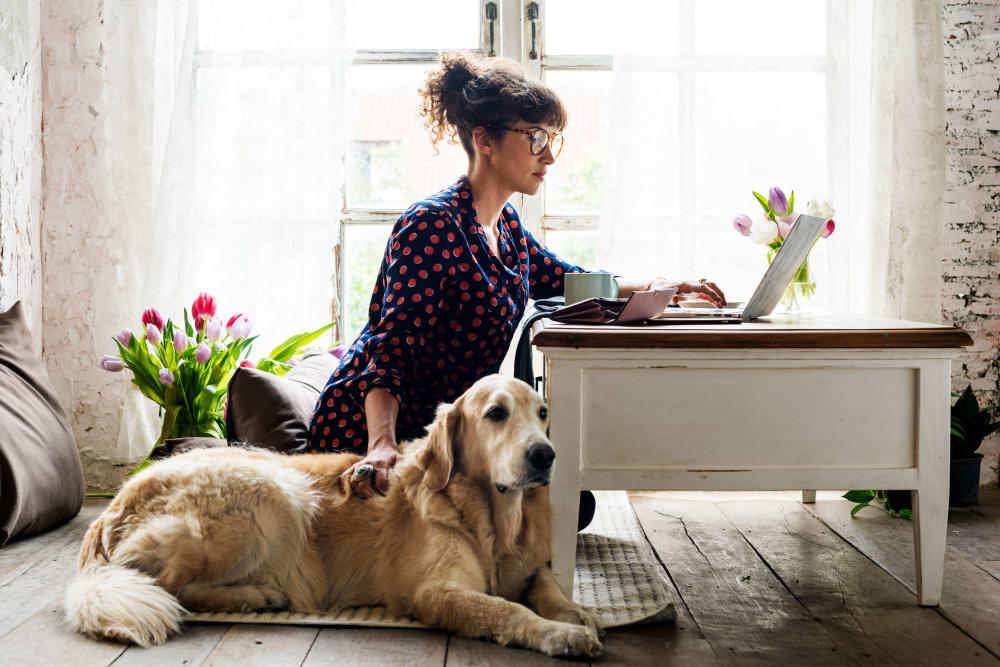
[{"x": 443, "y": 312}]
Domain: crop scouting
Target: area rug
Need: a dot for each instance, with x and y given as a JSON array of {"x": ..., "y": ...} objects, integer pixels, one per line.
[{"x": 617, "y": 577}]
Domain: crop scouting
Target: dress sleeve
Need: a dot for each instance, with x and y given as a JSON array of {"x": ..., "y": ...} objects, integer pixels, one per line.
[
  {"x": 408, "y": 296},
  {"x": 546, "y": 270}
]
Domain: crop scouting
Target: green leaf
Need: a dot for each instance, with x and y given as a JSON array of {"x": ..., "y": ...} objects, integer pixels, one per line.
[
  {"x": 906, "y": 514},
  {"x": 858, "y": 508},
  {"x": 188, "y": 329},
  {"x": 285, "y": 350},
  {"x": 791, "y": 201},
  {"x": 763, "y": 202},
  {"x": 859, "y": 496}
]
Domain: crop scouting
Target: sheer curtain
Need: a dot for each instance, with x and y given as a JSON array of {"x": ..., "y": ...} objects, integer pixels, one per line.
[
  {"x": 247, "y": 104},
  {"x": 725, "y": 106}
]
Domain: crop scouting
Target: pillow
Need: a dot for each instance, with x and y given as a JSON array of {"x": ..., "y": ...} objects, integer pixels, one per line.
[
  {"x": 41, "y": 479},
  {"x": 274, "y": 412},
  {"x": 174, "y": 446}
]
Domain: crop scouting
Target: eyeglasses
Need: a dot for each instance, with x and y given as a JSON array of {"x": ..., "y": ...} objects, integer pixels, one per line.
[{"x": 541, "y": 138}]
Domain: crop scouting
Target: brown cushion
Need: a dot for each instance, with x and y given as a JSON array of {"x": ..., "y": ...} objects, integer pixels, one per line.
[
  {"x": 41, "y": 479},
  {"x": 274, "y": 412}
]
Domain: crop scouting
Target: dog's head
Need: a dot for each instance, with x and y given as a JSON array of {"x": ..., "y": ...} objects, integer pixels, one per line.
[{"x": 495, "y": 431}]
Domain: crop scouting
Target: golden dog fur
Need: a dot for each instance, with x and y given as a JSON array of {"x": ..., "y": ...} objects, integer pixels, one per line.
[{"x": 459, "y": 542}]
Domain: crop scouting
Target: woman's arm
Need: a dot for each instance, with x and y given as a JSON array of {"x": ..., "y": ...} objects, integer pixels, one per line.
[{"x": 381, "y": 409}]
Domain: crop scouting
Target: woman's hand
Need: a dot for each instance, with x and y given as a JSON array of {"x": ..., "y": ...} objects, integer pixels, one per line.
[
  {"x": 694, "y": 289},
  {"x": 381, "y": 458}
]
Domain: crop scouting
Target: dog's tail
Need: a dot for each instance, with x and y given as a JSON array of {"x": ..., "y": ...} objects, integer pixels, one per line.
[{"x": 118, "y": 602}]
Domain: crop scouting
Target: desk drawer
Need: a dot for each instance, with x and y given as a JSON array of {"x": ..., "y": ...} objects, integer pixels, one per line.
[{"x": 749, "y": 417}]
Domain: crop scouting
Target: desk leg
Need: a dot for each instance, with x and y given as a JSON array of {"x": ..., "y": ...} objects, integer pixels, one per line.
[
  {"x": 564, "y": 432},
  {"x": 930, "y": 501}
]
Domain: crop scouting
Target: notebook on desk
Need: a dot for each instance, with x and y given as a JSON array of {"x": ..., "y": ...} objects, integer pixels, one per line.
[{"x": 776, "y": 279}]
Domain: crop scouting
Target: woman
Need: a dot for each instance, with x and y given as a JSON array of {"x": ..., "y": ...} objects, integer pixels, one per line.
[{"x": 458, "y": 269}]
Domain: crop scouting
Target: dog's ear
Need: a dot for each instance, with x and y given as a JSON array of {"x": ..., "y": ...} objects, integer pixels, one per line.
[{"x": 438, "y": 456}]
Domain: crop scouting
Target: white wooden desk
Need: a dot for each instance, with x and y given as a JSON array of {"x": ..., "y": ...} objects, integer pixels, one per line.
[{"x": 789, "y": 402}]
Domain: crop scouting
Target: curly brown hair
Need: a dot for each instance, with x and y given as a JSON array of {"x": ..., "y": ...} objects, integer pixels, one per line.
[{"x": 469, "y": 91}]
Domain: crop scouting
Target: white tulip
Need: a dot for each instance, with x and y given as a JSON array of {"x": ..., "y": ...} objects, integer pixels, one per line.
[
  {"x": 763, "y": 231},
  {"x": 823, "y": 209}
]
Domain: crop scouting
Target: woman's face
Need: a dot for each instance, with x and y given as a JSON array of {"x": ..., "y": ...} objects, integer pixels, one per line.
[{"x": 513, "y": 162}]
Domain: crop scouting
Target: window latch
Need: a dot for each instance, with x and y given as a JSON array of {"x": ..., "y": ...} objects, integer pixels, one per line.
[
  {"x": 491, "y": 16},
  {"x": 533, "y": 17}
]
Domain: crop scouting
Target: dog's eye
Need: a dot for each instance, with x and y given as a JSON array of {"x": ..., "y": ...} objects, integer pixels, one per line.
[
  {"x": 543, "y": 412},
  {"x": 497, "y": 414}
]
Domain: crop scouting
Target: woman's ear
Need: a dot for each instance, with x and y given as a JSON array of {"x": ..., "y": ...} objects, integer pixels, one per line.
[
  {"x": 482, "y": 141},
  {"x": 438, "y": 456}
]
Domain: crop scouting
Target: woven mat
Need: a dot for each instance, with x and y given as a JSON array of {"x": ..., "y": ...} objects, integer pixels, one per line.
[{"x": 617, "y": 577}]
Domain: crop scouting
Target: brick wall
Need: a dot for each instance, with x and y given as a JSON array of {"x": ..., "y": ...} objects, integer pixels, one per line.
[{"x": 971, "y": 267}]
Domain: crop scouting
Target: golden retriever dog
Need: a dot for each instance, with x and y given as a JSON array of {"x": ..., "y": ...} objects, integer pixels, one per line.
[{"x": 460, "y": 541}]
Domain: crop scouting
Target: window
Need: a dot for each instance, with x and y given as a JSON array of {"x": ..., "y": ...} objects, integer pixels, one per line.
[
  {"x": 711, "y": 96},
  {"x": 708, "y": 53}
]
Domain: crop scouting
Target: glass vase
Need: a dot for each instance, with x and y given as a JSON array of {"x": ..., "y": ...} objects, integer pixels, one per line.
[{"x": 803, "y": 286}]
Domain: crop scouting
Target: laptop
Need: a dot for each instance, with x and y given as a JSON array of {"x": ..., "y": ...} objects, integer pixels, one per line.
[{"x": 776, "y": 279}]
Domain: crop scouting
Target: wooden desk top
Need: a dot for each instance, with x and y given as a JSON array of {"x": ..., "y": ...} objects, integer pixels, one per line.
[{"x": 805, "y": 330}]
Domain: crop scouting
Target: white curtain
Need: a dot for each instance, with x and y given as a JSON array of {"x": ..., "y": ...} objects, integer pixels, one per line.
[
  {"x": 780, "y": 118},
  {"x": 246, "y": 104},
  {"x": 907, "y": 160}
]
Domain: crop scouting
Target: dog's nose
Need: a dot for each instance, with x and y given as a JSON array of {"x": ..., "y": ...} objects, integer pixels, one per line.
[{"x": 541, "y": 456}]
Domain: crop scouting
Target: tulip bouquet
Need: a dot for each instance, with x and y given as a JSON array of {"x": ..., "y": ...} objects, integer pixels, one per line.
[
  {"x": 772, "y": 230},
  {"x": 185, "y": 370}
]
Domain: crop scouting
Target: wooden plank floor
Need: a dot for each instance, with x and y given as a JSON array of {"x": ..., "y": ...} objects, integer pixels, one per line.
[{"x": 759, "y": 577}]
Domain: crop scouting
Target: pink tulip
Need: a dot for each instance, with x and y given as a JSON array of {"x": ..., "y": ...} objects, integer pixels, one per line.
[
  {"x": 777, "y": 201},
  {"x": 232, "y": 320},
  {"x": 180, "y": 341},
  {"x": 785, "y": 224},
  {"x": 124, "y": 337},
  {"x": 153, "y": 334},
  {"x": 166, "y": 377},
  {"x": 215, "y": 330},
  {"x": 203, "y": 353},
  {"x": 246, "y": 363},
  {"x": 828, "y": 229},
  {"x": 239, "y": 328},
  {"x": 152, "y": 316},
  {"x": 111, "y": 363},
  {"x": 203, "y": 309},
  {"x": 338, "y": 352},
  {"x": 742, "y": 224}
]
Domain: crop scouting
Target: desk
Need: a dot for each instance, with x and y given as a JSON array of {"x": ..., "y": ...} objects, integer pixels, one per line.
[{"x": 787, "y": 402}]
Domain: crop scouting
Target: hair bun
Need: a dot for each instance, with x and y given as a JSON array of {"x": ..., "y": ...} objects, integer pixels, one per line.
[{"x": 458, "y": 71}]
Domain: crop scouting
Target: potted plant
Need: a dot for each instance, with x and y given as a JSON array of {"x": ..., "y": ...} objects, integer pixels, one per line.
[{"x": 969, "y": 427}]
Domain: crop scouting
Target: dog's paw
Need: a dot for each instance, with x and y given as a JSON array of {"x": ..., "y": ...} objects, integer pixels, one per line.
[
  {"x": 565, "y": 639},
  {"x": 578, "y": 615},
  {"x": 273, "y": 598}
]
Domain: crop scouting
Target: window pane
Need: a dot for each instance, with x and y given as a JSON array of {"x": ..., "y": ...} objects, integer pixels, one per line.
[
  {"x": 272, "y": 160},
  {"x": 363, "y": 248},
  {"x": 264, "y": 24},
  {"x": 311, "y": 24},
  {"x": 574, "y": 182},
  {"x": 588, "y": 27},
  {"x": 391, "y": 163},
  {"x": 753, "y": 146},
  {"x": 763, "y": 27},
  {"x": 405, "y": 24},
  {"x": 578, "y": 247}
]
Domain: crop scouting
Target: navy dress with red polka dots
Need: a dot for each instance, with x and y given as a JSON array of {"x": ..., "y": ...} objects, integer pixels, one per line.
[{"x": 442, "y": 315}]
